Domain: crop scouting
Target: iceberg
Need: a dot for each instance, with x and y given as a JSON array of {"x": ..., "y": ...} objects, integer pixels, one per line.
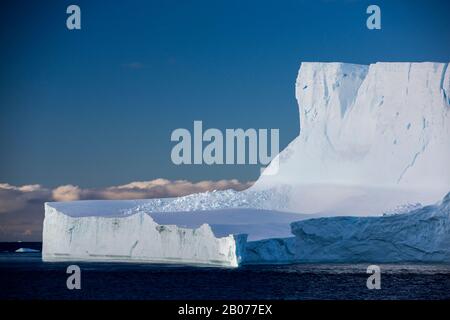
[
  {"x": 26, "y": 250},
  {"x": 373, "y": 140},
  {"x": 133, "y": 238}
]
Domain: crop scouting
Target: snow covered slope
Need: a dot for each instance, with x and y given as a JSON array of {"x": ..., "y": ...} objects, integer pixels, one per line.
[
  {"x": 135, "y": 237},
  {"x": 194, "y": 210},
  {"x": 371, "y": 138}
]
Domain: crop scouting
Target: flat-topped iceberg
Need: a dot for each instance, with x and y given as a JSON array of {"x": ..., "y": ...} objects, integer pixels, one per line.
[
  {"x": 419, "y": 235},
  {"x": 134, "y": 238},
  {"x": 373, "y": 139}
]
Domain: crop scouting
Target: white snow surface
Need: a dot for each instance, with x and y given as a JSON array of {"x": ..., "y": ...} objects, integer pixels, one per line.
[
  {"x": 256, "y": 223},
  {"x": 272, "y": 199}
]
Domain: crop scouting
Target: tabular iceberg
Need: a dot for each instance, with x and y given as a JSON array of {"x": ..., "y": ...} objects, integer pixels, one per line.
[
  {"x": 134, "y": 238},
  {"x": 373, "y": 139}
]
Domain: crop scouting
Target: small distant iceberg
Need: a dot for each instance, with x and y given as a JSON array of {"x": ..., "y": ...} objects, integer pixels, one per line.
[{"x": 26, "y": 250}]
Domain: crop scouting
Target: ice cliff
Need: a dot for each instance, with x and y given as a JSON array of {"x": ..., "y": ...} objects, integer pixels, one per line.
[
  {"x": 371, "y": 138},
  {"x": 133, "y": 238}
]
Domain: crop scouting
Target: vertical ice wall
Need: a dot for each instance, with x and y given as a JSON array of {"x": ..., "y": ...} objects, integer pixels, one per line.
[
  {"x": 368, "y": 129},
  {"x": 134, "y": 238}
]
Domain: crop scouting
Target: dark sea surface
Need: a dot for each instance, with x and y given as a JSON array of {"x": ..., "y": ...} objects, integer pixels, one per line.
[{"x": 25, "y": 276}]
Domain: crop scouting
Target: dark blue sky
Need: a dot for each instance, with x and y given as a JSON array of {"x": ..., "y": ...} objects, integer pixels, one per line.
[{"x": 96, "y": 107}]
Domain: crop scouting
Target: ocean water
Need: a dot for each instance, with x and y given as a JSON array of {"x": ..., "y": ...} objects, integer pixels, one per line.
[{"x": 25, "y": 276}]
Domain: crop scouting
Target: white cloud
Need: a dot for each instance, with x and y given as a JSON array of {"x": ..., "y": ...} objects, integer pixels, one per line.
[
  {"x": 66, "y": 193},
  {"x": 161, "y": 188}
]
